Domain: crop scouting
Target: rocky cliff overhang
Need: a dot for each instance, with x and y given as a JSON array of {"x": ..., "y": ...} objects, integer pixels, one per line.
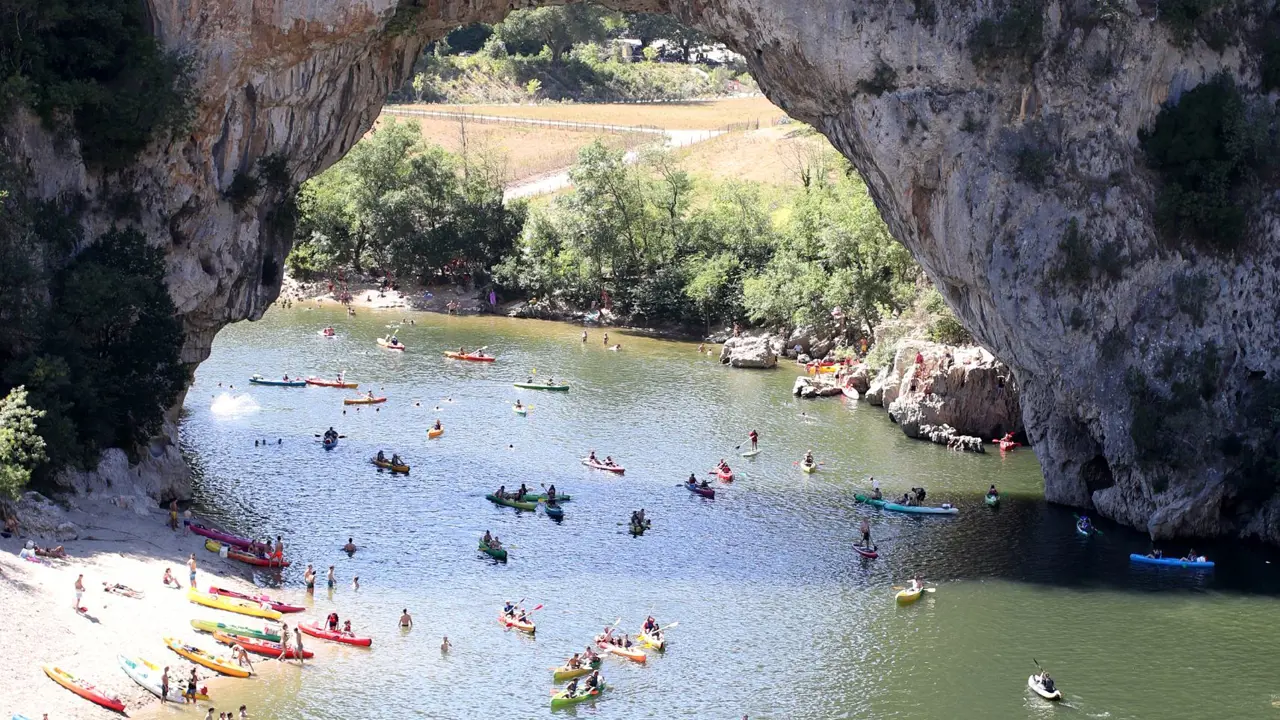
[{"x": 978, "y": 161}]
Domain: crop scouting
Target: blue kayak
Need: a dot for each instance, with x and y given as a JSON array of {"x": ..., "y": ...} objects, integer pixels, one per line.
[
  {"x": 1172, "y": 562},
  {"x": 330, "y": 444},
  {"x": 555, "y": 513},
  {"x": 258, "y": 380},
  {"x": 916, "y": 509}
]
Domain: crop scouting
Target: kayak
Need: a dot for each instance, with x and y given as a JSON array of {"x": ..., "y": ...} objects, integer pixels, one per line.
[
  {"x": 387, "y": 344},
  {"x": 638, "y": 530},
  {"x": 1170, "y": 562},
  {"x": 849, "y": 392},
  {"x": 332, "y": 383},
  {"x": 723, "y": 476},
  {"x": 256, "y": 560},
  {"x": 704, "y": 492},
  {"x": 231, "y": 605},
  {"x": 363, "y": 401},
  {"x": 226, "y": 538},
  {"x": 1039, "y": 689},
  {"x": 993, "y": 500},
  {"x": 540, "y": 386},
  {"x": 472, "y": 358},
  {"x": 435, "y": 432},
  {"x": 257, "y": 380},
  {"x": 210, "y": 626},
  {"x": 524, "y": 627},
  {"x": 555, "y": 512},
  {"x": 564, "y": 672},
  {"x": 562, "y": 699},
  {"x": 517, "y": 504},
  {"x": 1085, "y": 531},
  {"x": 499, "y": 554},
  {"x": 601, "y": 466},
  {"x": 522, "y": 410},
  {"x": 542, "y": 497},
  {"x": 148, "y": 675},
  {"x": 866, "y": 552},
  {"x": 260, "y": 647},
  {"x": 1006, "y": 444},
  {"x": 916, "y": 509},
  {"x": 275, "y": 604},
  {"x": 634, "y": 654},
  {"x": 651, "y": 642},
  {"x": 83, "y": 688},
  {"x": 387, "y": 465},
  {"x": 338, "y": 637},
  {"x": 808, "y": 467},
  {"x": 906, "y": 597},
  {"x": 329, "y": 443},
  {"x": 222, "y": 665},
  {"x": 751, "y": 453}
]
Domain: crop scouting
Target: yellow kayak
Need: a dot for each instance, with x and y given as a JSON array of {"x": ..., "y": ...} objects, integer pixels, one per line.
[
  {"x": 242, "y": 607},
  {"x": 808, "y": 468},
  {"x": 652, "y": 642},
  {"x": 906, "y": 597},
  {"x": 200, "y": 657},
  {"x": 434, "y": 433}
]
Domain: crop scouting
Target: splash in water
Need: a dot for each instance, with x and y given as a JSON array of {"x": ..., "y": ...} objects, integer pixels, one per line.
[{"x": 227, "y": 404}]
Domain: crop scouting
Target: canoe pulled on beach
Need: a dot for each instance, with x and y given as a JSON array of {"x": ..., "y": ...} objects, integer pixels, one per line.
[
  {"x": 268, "y": 633},
  {"x": 217, "y": 602},
  {"x": 83, "y": 688}
]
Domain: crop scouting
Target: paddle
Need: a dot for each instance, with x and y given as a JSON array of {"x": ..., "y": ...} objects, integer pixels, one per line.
[
  {"x": 340, "y": 436},
  {"x": 928, "y": 589}
]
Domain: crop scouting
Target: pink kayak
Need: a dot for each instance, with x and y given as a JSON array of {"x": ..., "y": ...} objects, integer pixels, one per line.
[
  {"x": 277, "y": 606},
  {"x": 866, "y": 552},
  {"x": 339, "y": 637},
  {"x": 601, "y": 466},
  {"x": 225, "y": 538}
]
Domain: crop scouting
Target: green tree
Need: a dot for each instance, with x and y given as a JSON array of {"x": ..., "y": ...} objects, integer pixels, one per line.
[
  {"x": 526, "y": 32},
  {"x": 21, "y": 447},
  {"x": 651, "y": 27}
]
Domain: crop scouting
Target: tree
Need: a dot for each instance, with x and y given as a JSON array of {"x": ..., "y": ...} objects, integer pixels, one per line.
[
  {"x": 526, "y": 32},
  {"x": 21, "y": 447},
  {"x": 649, "y": 28}
]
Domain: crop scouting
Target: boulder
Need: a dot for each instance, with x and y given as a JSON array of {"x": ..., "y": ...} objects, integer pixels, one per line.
[
  {"x": 875, "y": 389},
  {"x": 946, "y": 435},
  {"x": 749, "y": 351},
  {"x": 859, "y": 378},
  {"x": 964, "y": 388}
]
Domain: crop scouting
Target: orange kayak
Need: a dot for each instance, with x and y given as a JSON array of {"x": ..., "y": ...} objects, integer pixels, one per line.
[
  {"x": 83, "y": 688},
  {"x": 363, "y": 401},
  {"x": 511, "y": 622},
  {"x": 472, "y": 358},
  {"x": 634, "y": 654}
]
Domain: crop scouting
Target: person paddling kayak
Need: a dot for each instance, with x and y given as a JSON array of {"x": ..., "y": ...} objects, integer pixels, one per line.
[{"x": 993, "y": 492}]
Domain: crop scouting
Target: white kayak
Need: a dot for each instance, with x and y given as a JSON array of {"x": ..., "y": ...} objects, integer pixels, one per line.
[
  {"x": 751, "y": 453},
  {"x": 141, "y": 674},
  {"x": 1039, "y": 689}
]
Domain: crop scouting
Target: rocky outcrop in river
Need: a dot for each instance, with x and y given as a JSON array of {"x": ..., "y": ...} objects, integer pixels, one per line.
[
  {"x": 1001, "y": 140},
  {"x": 750, "y": 351}
]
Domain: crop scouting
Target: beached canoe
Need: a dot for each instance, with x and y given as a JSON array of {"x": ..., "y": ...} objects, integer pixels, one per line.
[
  {"x": 210, "y": 626},
  {"x": 363, "y": 400},
  {"x": 242, "y": 607},
  {"x": 339, "y": 637},
  {"x": 542, "y": 386},
  {"x": 387, "y": 465},
  {"x": 912, "y": 509},
  {"x": 704, "y": 492},
  {"x": 248, "y": 558},
  {"x": 225, "y": 538},
  {"x": 260, "y": 647},
  {"x": 470, "y": 358},
  {"x": 83, "y": 688},
  {"x": 148, "y": 675},
  {"x": 435, "y": 432},
  {"x": 1170, "y": 562},
  {"x": 563, "y": 699},
  {"x": 511, "y": 622},
  {"x": 275, "y": 604},
  {"x": 385, "y": 343},
  {"x": 259, "y": 380},
  {"x": 499, "y": 554},
  {"x": 223, "y": 665},
  {"x": 565, "y": 673},
  {"x": 601, "y": 466},
  {"x": 321, "y": 382},
  {"x": 518, "y": 504}
]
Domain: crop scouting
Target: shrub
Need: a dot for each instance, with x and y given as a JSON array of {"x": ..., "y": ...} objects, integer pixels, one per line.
[
  {"x": 1184, "y": 16},
  {"x": 1033, "y": 165},
  {"x": 21, "y": 447},
  {"x": 1017, "y": 34},
  {"x": 243, "y": 188}
]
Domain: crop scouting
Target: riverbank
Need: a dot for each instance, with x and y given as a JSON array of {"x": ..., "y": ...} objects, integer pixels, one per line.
[{"x": 130, "y": 546}]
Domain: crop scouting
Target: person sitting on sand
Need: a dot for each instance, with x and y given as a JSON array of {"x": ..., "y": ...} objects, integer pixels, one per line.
[{"x": 170, "y": 580}]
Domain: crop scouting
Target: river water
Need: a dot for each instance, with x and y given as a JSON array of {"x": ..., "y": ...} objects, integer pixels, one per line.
[{"x": 778, "y": 618}]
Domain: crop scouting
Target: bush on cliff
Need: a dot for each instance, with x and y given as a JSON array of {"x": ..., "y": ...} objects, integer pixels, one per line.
[{"x": 21, "y": 447}]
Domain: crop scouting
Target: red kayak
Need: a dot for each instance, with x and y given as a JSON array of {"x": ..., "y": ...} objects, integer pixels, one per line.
[
  {"x": 704, "y": 492},
  {"x": 277, "y": 606},
  {"x": 260, "y": 647},
  {"x": 258, "y": 560},
  {"x": 321, "y": 382},
  {"x": 724, "y": 476},
  {"x": 601, "y": 466},
  {"x": 338, "y": 637},
  {"x": 1006, "y": 445},
  {"x": 866, "y": 552},
  {"x": 472, "y": 358},
  {"x": 224, "y": 538}
]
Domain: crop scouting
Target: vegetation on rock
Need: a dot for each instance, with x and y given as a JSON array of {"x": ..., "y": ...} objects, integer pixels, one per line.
[{"x": 21, "y": 447}]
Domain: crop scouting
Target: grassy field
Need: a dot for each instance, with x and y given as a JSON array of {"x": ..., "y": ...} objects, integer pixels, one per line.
[
  {"x": 527, "y": 151},
  {"x": 672, "y": 116},
  {"x": 771, "y": 156}
]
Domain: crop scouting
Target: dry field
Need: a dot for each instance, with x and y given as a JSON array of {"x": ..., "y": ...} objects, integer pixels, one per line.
[
  {"x": 772, "y": 155},
  {"x": 671, "y": 116}
]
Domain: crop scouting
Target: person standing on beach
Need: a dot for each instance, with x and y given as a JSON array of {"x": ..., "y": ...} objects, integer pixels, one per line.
[
  {"x": 79, "y": 593},
  {"x": 190, "y": 695},
  {"x": 332, "y": 582},
  {"x": 309, "y": 577},
  {"x": 405, "y": 620},
  {"x": 164, "y": 686},
  {"x": 284, "y": 641},
  {"x": 297, "y": 645},
  {"x": 191, "y": 565}
]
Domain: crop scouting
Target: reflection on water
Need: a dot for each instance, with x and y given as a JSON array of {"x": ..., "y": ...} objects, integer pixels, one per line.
[{"x": 778, "y": 617}]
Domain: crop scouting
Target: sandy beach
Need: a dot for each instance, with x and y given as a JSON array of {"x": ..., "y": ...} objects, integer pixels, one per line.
[{"x": 127, "y": 546}]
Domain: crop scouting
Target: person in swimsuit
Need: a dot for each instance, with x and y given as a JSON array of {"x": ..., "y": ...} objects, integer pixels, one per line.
[
  {"x": 405, "y": 620},
  {"x": 332, "y": 582},
  {"x": 309, "y": 578}
]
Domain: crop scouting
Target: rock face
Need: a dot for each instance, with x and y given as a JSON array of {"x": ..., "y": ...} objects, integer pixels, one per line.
[
  {"x": 754, "y": 351},
  {"x": 965, "y": 389},
  {"x": 978, "y": 164}
]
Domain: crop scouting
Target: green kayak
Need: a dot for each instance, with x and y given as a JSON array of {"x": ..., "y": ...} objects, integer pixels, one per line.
[
  {"x": 869, "y": 500},
  {"x": 542, "y": 386},
  {"x": 542, "y": 497},
  {"x": 210, "y": 626},
  {"x": 517, "y": 504},
  {"x": 993, "y": 500},
  {"x": 496, "y": 554},
  {"x": 562, "y": 699}
]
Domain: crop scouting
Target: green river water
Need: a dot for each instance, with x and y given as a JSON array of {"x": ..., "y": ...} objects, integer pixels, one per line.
[{"x": 778, "y": 617}]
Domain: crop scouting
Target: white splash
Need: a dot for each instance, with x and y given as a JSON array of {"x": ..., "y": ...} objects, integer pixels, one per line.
[{"x": 227, "y": 404}]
